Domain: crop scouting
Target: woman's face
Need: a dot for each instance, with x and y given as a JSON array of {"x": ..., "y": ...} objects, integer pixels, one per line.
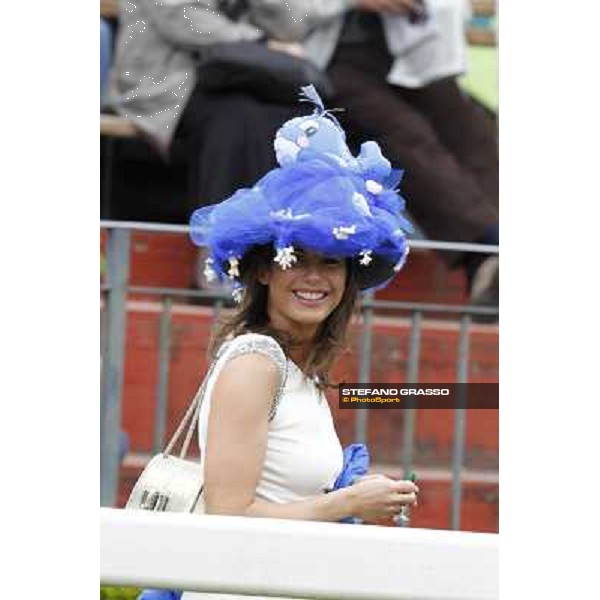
[{"x": 307, "y": 293}]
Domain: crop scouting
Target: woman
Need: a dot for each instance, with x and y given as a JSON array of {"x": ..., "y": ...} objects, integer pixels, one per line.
[
  {"x": 266, "y": 429},
  {"x": 299, "y": 247}
]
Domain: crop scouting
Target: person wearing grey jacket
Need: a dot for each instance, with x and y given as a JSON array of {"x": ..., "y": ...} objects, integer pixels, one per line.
[{"x": 223, "y": 137}]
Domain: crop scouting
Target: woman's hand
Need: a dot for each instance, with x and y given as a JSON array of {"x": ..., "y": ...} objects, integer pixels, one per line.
[
  {"x": 376, "y": 496},
  {"x": 291, "y": 48},
  {"x": 393, "y": 6}
]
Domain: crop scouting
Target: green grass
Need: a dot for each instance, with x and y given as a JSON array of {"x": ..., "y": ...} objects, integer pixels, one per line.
[
  {"x": 481, "y": 80},
  {"x": 119, "y": 593}
]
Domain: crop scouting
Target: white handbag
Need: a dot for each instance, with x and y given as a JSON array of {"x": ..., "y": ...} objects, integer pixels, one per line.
[
  {"x": 174, "y": 484},
  {"x": 169, "y": 483}
]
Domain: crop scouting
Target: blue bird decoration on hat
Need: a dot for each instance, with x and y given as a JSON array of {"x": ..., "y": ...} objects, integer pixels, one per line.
[
  {"x": 319, "y": 132},
  {"x": 320, "y": 198},
  {"x": 302, "y": 137}
]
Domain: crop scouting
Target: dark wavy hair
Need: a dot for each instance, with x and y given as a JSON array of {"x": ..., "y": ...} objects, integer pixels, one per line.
[{"x": 252, "y": 317}]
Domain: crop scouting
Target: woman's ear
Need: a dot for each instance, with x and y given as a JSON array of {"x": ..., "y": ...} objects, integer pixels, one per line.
[{"x": 264, "y": 275}]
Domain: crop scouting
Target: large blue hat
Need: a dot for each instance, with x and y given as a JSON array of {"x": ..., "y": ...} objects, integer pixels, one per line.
[{"x": 320, "y": 198}]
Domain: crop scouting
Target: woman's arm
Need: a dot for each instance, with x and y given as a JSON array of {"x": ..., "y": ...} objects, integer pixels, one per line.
[
  {"x": 236, "y": 447},
  {"x": 327, "y": 507},
  {"x": 237, "y": 432},
  {"x": 190, "y": 24}
]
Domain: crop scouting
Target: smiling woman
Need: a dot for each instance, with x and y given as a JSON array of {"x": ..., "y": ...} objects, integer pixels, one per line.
[
  {"x": 299, "y": 246},
  {"x": 303, "y": 297},
  {"x": 306, "y": 308}
]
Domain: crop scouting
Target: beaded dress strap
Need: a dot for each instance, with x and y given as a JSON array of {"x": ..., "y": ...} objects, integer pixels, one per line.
[{"x": 267, "y": 346}]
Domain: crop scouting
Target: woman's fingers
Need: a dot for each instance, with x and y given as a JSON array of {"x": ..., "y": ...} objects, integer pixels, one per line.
[
  {"x": 405, "y": 487},
  {"x": 398, "y": 485},
  {"x": 400, "y": 502},
  {"x": 397, "y": 507},
  {"x": 370, "y": 476},
  {"x": 403, "y": 499}
]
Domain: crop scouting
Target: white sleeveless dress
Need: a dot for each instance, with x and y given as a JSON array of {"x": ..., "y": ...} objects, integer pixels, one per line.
[{"x": 304, "y": 456}]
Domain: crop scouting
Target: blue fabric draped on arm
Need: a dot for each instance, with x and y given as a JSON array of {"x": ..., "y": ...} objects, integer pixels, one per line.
[{"x": 356, "y": 464}]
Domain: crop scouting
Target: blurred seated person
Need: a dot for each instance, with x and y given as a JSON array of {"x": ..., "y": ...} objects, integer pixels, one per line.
[
  {"x": 397, "y": 76},
  {"x": 226, "y": 138}
]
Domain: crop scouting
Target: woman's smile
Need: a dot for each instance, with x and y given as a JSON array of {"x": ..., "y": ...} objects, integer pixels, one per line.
[
  {"x": 302, "y": 297},
  {"x": 309, "y": 297}
]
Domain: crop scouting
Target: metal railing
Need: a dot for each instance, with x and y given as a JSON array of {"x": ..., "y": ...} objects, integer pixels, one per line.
[
  {"x": 116, "y": 289},
  {"x": 237, "y": 555}
]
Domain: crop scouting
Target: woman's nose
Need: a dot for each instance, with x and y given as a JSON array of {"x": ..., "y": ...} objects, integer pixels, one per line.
[{"x": 313, "y": 271}]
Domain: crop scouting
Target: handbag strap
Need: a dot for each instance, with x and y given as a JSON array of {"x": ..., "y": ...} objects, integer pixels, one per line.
[{"x": 189, "y": 418}]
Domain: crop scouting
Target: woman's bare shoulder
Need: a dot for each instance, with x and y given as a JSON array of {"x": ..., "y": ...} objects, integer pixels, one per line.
[
  {"x": 247, "y": 382},
  {"x": 254, "y": 368}
]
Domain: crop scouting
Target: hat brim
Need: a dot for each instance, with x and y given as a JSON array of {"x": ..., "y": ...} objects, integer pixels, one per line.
[{"x": 376, "y": 275}]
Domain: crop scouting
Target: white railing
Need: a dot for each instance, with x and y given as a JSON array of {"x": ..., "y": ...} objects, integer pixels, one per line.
[{"x": 297, "y": 559}]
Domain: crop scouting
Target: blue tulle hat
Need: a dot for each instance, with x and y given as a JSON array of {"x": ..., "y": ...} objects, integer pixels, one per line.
[{"x": 319, "y": 198}]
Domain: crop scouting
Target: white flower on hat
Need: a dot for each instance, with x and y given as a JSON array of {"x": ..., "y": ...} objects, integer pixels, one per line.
[
  {"x": 361, "y": 203},
  {"x": 401, "y": 262},
  {"x": 366, "y": 257},
  {"x": 285, "y": 257},
  {"x": 209, "y": 273},
  {"x": 238, "y": 294},
  {"x": 342, "y": 233},
  {"x": 373, "y": 186},
  {"x": 234, "y": 270}
]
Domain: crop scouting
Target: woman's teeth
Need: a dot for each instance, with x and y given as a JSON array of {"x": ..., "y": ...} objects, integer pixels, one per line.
[{"x": 310, "y": 295}]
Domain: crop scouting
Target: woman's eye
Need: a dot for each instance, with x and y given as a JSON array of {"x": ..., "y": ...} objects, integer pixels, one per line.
[
  {"x": 311, "y": 131},
  {"x": 333, "y": 262}
]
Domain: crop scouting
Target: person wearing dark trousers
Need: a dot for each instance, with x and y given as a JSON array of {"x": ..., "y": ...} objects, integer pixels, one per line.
[{"x": 446, "y": 143}]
